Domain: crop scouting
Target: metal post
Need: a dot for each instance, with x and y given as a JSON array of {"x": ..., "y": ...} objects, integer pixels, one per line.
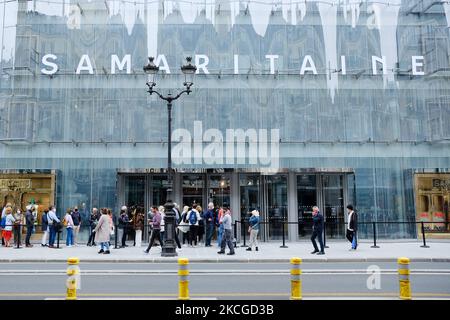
[
  {"x": 245, "y": 231},
  {"x": 325, "y": 235},
  {"x": 115, "y": 236},
  {"x": 374, "y": 226},
  {"x": 423, "y": 236},
  {"x": 57, "y": 237},
  {"x": 169, "y": 248},
  {"x": 284, "y": 239},
  {"x": 235, "y": 233}
]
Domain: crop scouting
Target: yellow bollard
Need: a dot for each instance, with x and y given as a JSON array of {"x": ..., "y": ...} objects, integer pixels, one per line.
[
  {"x": 183, "y": 284},
  {"x": 71, "y": 283},
  {"x": 296, "y": 279},
  {"x": 403, "y": 278}
]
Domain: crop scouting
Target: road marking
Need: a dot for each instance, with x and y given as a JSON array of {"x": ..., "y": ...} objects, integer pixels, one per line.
[
  {"x": 229, "y": 294},
  {"x": 97, "y": 272}
]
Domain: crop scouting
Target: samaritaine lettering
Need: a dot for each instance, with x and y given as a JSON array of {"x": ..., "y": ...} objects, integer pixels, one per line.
[{"x": 308, "y": 66}]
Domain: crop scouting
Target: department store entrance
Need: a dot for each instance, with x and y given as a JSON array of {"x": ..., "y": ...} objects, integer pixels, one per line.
[{"x": 285, "y": 196}]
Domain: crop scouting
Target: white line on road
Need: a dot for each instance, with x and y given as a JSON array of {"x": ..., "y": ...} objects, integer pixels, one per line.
[{"x": 438, "y": 272}]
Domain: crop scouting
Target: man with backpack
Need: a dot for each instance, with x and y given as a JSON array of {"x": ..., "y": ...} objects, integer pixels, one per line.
[
  {"x": 76, "y": 218},
  {"x": 193, "y": 218},
  {"x": 54, "y": 225}
]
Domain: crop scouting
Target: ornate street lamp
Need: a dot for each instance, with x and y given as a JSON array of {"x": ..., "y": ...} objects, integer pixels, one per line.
[{"x": 169, "y": 247}]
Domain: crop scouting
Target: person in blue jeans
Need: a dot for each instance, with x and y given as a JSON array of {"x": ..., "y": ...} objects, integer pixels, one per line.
[
  {"x": 52, "y": 220},
  {"x": 254, "y": 229},
  {"x": 352, "y": 227},
  {"x": 69, "y": 228},
  {"x": 220, "y": 227}
]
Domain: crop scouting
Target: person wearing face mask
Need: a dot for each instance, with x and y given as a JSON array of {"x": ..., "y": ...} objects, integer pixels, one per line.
[
  {"x": 18, "y": 217},
  {"x": 76, "y": 217}
]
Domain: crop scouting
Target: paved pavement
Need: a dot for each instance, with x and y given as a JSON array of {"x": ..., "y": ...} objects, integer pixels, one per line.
[{"x": 438, "y": 251}]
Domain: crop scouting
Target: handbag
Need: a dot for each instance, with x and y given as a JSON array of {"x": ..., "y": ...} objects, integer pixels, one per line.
[{"x": 183, "y": 226}]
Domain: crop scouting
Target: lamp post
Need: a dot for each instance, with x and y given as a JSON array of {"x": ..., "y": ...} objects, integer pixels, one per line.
[{"x": 168, "y": 249}]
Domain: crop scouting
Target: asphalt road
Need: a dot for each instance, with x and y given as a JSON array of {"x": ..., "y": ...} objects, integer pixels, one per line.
[{"x": 262, "y": 281}]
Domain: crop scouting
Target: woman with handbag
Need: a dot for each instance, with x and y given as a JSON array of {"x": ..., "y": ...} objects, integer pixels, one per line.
[
  {"x": 103, "y": 232},
  {"x": 184, "y": 224},
  {"x": 139, "y": 226},
  {"x": 111, "y": 222},
  {"x": 253, "y": 230}
]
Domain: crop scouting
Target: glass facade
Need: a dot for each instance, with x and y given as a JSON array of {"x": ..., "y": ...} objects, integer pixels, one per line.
[{"x": 361, "y": 86}]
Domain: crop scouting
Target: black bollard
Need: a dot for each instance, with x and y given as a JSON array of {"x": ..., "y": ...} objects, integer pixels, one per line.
[
  {"x": 57, "y": 241},
  {"x": 374, "y": 227},
  {"x": 235, "y": 233},
  {"x": 423, "y": 236},
  {"x": 115, "y": 236},
  {"x": 283, "y": 230},
  {"x": 245, "y": 231}
]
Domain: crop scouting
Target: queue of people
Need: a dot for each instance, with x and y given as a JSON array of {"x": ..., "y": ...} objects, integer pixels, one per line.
[{"x": 192, "y": 225}]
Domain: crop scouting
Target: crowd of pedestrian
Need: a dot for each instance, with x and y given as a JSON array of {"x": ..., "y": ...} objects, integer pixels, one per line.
[{"x": 193, "y": 225}]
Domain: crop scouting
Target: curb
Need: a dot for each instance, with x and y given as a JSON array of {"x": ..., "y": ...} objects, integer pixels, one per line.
[{"x": 218, "y": 260}]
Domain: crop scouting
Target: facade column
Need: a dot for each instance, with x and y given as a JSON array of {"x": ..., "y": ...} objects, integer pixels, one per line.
[
  {"x": 292, "y": 206},
  {"x": 177, "y": 192},
  {"x": 235, "y": 201}
]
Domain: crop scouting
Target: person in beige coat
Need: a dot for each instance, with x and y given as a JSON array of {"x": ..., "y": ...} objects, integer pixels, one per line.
[{"x": 103, "y": 232}]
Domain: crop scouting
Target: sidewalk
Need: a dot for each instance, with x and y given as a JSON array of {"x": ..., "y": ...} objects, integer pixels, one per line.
[{"x": 268, "y": 252}]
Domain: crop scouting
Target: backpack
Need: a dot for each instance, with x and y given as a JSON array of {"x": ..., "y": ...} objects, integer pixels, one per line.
[
  {"x": 44, "y": 219},
  {"x": 192, "y": 217},
  {"x": 3, "y": 222}
]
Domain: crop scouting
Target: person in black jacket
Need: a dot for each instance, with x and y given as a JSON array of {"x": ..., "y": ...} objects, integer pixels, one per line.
[
  {"x": 352, "y": 227},
  {"x": 29, "y": 219},
  {"x": 317, "y": 231},
  {"x": 93, "y": 220},
  {"x": 124, "y": 224}
]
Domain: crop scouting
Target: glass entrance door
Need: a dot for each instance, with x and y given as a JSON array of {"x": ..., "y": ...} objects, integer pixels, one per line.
[
  {"x": 306, "y": 199},
  {"x": 276, "y": 206},
  {"x": 193, "y": 189},
  {"x": 135, "y": 187},
  {"x": 333, "y": 204},
  {"x": 159, "y": 185},
  {"x": 250, "y": 195},
  {"x": 327, "y": 192},
  {"x": 219, "y": 190}
]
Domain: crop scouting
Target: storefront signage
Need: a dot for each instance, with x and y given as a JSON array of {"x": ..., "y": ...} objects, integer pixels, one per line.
[
  {"x": 15, "y": 184},
  {"x": 441, "y": 184},
  {"x": 308, "y": 66}
]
